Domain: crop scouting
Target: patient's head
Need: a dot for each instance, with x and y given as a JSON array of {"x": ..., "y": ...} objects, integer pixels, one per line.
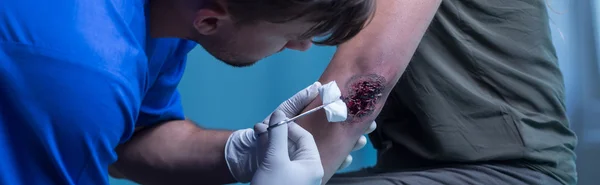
[{"x": 241, "y": 32}]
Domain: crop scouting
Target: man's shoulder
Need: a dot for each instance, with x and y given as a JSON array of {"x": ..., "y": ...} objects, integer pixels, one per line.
[
  {"x": 110, "y": 28},
  {"x": 102, "y": 35},
  {"x": 22, "y": 60}
]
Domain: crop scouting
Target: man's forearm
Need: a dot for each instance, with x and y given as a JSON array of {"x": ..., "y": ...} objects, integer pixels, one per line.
[
  {"x": 366, "y": 68},
  {"x": 176, "y": 152}
]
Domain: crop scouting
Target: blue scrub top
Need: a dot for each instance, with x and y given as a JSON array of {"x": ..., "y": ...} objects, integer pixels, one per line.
[{"x": 76, "y": 78}]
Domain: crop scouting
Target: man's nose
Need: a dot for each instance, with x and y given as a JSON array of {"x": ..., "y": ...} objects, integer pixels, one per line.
[{"x": 300, "y": 45}]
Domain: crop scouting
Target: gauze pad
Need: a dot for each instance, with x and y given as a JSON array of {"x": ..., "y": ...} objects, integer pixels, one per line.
[{"x": 335, "y": 108}]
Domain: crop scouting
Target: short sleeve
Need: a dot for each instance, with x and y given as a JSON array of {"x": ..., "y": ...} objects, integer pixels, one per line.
[
  {"x": 67, "y": 103},
  {"x": 162, "y": 101}
]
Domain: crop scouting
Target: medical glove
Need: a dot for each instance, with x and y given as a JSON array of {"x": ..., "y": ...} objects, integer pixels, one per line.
[
  {"x": 240, "y": 149},
  {"x": 241, "y": 152},
  {"x": 278, "y": 165},
  {"x": 294, "y": 106}
]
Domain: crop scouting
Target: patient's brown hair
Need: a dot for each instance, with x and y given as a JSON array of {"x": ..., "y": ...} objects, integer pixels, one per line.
[{"x": 339, "y": 20}]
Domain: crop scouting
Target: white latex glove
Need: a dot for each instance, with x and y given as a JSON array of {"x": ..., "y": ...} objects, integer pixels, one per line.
[
  {"x": 278, "y": 165},
  {"x": 240, "y": 150},
  {"x": 294, "y": 106}
]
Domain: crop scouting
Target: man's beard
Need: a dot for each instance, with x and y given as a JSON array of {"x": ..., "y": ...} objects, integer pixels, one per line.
[
  {"x": 231, "y": 59},
  {"x": 239, "y": 64}
]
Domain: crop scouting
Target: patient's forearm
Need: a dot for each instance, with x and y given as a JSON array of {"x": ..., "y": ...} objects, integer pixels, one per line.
[{"x": 371, "y": 63}]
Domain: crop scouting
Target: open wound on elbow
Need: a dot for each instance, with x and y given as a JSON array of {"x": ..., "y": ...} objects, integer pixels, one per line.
[{"x": 364, "y": 92}]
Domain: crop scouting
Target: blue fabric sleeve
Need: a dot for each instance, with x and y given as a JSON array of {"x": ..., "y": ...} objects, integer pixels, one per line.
[
  {"x": 162, "y": 101},
  {"x": 62, "y": 114}
]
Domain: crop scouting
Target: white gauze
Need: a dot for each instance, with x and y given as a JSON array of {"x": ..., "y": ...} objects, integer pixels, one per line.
[{"x": 336, "y": 109}]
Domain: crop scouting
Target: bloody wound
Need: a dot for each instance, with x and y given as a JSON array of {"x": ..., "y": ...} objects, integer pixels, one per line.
[{"x": 364, "y": 94}]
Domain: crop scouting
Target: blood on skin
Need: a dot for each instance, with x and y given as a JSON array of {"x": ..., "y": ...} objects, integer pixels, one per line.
[{"x": 364, "y": 93}]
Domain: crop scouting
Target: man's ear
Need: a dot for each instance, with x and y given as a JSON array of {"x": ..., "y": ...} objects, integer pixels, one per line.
[{"x": 209, "y": 21}]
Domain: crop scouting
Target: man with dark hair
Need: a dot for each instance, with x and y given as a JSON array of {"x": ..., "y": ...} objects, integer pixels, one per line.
[
  {"x": 481, "y": 102},
  {"x": 85, "y": 82}
]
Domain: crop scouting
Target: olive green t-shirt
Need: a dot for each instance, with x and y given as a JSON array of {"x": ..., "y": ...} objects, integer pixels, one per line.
[{"x": 484, "y": 85}]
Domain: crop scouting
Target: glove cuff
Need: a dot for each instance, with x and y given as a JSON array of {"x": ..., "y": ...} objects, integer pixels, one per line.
[{"x": 238, "y": 150}]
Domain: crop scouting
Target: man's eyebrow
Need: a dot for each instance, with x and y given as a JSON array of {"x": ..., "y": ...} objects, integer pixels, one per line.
[
  {"x": 304, "y": 36},
  {"x": 309, "y": 34},
  {"x": 300, "y": 36},
  {"x": 297, "y": 36}
]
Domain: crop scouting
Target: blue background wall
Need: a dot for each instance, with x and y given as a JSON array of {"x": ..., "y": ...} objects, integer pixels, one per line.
[{"x": 216, "y": 95}]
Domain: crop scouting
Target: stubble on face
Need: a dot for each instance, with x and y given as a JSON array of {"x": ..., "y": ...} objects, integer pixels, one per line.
[{"x": 225, "y": 51}]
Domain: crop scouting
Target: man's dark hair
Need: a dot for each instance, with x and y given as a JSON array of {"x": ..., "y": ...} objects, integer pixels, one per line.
[{"x": 339, "y": 20}]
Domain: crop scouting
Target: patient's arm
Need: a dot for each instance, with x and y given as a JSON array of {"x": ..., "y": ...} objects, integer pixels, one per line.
[{"x": 371, "y": 64}]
